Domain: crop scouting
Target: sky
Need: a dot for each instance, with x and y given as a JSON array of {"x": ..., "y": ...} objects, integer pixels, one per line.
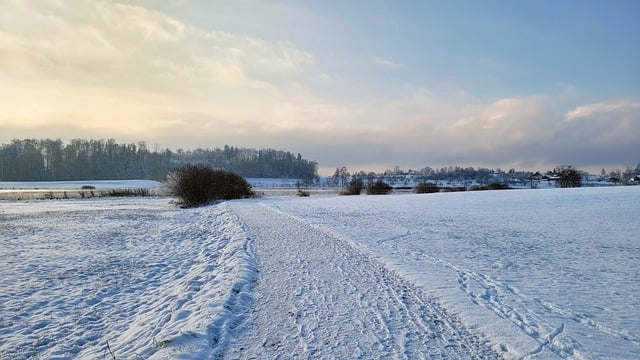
[{"x": 363, "y": 84}]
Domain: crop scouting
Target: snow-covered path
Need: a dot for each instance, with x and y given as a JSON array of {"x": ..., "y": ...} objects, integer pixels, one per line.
[
  {"x": 532, "y": 274},
  {"x": 316, "y": 296}
]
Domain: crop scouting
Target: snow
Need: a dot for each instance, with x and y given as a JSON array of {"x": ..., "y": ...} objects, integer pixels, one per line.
[
  {"x": 34, "y": 190},
  {"x": 134, "y": 278},
  {"x": 547, "y": 273},
  {"x": 74, "y": 185},
  {"x": 317, "y": 297}
]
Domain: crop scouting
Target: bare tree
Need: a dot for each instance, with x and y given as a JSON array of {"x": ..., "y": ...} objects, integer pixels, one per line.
[
  {"x": 341, "y": 176},
  {"x": 568, "y": 176}
]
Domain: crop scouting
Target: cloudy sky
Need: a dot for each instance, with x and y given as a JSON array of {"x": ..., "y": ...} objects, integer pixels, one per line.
[{"x": 365, "y": 84}]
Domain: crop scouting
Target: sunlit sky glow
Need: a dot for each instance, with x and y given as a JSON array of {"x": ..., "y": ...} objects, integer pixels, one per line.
[{"x": 365, "y": 84}]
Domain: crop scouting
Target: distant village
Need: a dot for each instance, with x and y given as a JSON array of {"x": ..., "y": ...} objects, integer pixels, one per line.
[{"x": 468, "y": 176}]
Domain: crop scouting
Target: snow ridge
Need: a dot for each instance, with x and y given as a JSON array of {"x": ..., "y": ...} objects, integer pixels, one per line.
[
  {"x": 127, "y": 279},
  {"x": 234, "y": 310},
  {"x": 218, "y": 289}
]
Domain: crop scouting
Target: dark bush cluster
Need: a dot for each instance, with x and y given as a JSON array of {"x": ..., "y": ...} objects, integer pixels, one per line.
[
  {"x": 128, "y": 192},
  {"x": 568, "y": 177},
  {"x": 426, "y": 188},
  {"x": 354, "y": 187},
  {"x": 379, "y": 187},
  {"x": 199, "y": 184},
  {"x": 453, "y": 189},
  {"x": 492, "y": 186}
]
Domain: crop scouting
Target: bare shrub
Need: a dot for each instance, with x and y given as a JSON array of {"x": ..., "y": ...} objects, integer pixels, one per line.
[
  {"x": 426, "y": 188},
  {"x": 492, "y": 186},
  {"x": 453, "y": 189},
  {"x": 568, "y": 177},
  {"x": 354, "y": 187},
  {"x": 199, "y": 184},
  {"x": 379, "y": 187},
  {"x": 128, "y": 192}
]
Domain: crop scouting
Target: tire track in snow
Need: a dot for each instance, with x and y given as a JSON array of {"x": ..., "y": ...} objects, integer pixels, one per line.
[{"x": 318, "y": 297}]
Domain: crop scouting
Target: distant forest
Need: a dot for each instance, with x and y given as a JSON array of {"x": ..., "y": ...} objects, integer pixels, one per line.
[{"x": 79, "y": 159}]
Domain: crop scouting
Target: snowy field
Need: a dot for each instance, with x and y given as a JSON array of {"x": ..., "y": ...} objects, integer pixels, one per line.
[
  {"x": 34, "y": 190},
  {"x": 553, "y": 271},
  {"x": 75, "y": 185},
  {"x": 523, "y": 273},
  {"x": 130, "y": 277}
]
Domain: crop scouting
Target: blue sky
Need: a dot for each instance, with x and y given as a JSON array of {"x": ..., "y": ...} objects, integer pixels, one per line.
[
  {"x": 366, "y": 84},
  {"x": 494, "y": 48}
]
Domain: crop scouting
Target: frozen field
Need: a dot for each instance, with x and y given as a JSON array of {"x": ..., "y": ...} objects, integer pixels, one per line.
[
  {"x": 527, "y": 273},
  {"x": 71, "y": 185},
  {"x": 130, "y": 277},
  {"x": 38, "y": 190},
  {"x": 552, "y": 271}
]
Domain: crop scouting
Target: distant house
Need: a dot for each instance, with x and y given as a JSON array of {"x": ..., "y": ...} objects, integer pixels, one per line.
[{"x": 534, "y": 179}]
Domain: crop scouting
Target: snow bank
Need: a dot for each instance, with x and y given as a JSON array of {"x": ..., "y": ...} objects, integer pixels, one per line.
[{"x": 127, "y": 278}]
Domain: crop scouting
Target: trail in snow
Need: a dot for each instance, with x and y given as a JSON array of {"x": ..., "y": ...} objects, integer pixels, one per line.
[
  {"x": 535, "y": 273},
  {"x": 318, "y": 297}
]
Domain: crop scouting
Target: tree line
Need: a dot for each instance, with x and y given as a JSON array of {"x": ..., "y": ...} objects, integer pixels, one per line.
[
  {"x": 80, "y": 159},
  {"x": 248, "y": 162},
  {"x": 448, "y": 174},
  {"x": 563, "y": 176}
]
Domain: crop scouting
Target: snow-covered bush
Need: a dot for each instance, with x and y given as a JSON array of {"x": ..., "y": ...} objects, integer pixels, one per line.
[{"x": 199, "y": 184}]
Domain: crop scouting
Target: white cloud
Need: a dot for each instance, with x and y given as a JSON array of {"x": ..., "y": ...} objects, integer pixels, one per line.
[
  {"x": 620, "y": 108},
  {"x": 614, "y": 123},
  {"x": 386, "y": 63},
  {"x": 102, "y": 69},
  {"x": 511, "y": 132},
  {"x": 115, "y": 65},
  {"x": 117, "y": 45}
]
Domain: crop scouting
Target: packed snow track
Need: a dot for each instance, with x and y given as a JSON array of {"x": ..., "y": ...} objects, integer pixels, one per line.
[{"x": 318, "y": 297}]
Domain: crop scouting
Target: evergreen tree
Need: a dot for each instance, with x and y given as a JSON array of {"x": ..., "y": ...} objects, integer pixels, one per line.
[{"x": 30, "y": 160}]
